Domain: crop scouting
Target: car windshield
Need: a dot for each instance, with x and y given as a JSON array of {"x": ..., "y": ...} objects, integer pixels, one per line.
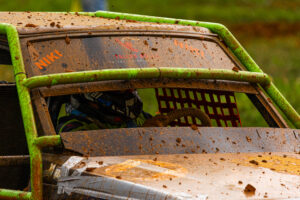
[
  {"x": 102, "y": 52},
  {"x": 215, "y": 101}
]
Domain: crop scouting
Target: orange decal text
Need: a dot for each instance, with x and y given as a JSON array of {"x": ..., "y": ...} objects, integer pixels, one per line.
[
  {"x": 48, "y": 59},
  {"x": 184, "y": 45}
]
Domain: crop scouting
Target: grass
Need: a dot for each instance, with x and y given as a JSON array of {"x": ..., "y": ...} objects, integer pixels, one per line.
[
  {"x": 35, "y": 5},
  {"x": 236, "y": 11},
  {"x": 280, "y": 58},
  {"x": 233, "y": 11}
]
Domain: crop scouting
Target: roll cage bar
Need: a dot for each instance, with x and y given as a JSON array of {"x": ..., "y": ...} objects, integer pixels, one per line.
[{"x": 24, "y": 85}]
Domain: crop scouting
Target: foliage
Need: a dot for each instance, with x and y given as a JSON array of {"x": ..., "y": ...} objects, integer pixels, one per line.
[
  {"x": 35, "y": 5},
  {"x": 230, "y": 11}
]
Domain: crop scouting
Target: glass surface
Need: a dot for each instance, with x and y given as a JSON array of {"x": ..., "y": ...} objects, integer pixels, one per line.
[{"x": 82, "y": 54}]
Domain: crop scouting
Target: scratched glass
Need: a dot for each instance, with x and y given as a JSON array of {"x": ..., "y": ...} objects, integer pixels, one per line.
[{"x": 83, "y": 54}]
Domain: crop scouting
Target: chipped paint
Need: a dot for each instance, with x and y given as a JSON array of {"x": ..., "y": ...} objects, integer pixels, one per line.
[
  {"x": 145, "y": 170},
  {"x": 213, "y": 175},
  {"x": 282, "y": 164},
  {"x": 114, "y": 187}
]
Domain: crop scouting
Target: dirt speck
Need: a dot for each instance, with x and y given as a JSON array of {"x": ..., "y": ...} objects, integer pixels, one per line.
[
  {"x": 130, "y": 20},
  {"x": 30, "y": 25},
  {"x": 178, "y": 140},
  {"x": 164, "y": 186},
  {"x": 52, "y": 24},
  {"x": 89, "y": 169},
  {"x": 194, "y": 127},
  {"x": 249, "y": 190},
  {"x": 253, "y": 162},
  {"x": 185, "y": 157},
  {"x": 100, "y": 162},
  {"x": 248, "y": 139},
  {"x": 235, "y": 69},
  {"x": 154, "y": 159},
  {"x": 223, "y": 159},
  {"x": 154, "y": 49},
  {"x": 67, "y": 39},
  {"x": 264, "y": 161},
  {"x": 240, "y": 182},
  {"x": 118, "y": 177}
]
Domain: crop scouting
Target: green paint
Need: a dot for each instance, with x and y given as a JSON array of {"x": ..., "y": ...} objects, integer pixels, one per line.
[
  {"x": 14, "y": 194},
  {"x": 27, "y": 111},
  {"x": 144, "y": 73},
  {"x": 48, "y": 141}
]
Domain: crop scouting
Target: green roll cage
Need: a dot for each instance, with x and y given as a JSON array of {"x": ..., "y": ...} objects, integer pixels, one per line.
[{"x": 24, "y": 84}]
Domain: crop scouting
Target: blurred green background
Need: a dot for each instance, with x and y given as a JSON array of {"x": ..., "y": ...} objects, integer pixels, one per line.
[{"x": 268, "y": 29}]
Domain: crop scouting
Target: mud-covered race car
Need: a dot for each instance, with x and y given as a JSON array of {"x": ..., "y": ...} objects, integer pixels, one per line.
[{"x": 174, "y": 65}]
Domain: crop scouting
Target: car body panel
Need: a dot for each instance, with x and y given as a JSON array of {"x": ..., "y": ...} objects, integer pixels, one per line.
[
  {"x": 183, "y": 176},
  {"x": 178, "y": 140}
]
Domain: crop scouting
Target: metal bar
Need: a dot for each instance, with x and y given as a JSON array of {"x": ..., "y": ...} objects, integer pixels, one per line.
[
  {"x": 232, "y": 86},
  {"x": 268, "y": 107},
  {"x": 42, "y": 111},
  {"x": 14, "y": 160},
  {"x": 145, "y": 73},
  {"x": 280, "y": 101},
  {"x": 229, "y": 40},
  {"x": 13, "y": 194},
  {"x": 27, "y": 114},
  {"x": 48, "y": 141}
]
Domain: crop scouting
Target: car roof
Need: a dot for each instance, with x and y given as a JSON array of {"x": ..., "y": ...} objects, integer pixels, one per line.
[{"x": 37, "y": 22}]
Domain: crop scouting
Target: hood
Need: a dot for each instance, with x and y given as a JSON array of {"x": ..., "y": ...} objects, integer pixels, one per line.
[{"x": 180, "y": 176}]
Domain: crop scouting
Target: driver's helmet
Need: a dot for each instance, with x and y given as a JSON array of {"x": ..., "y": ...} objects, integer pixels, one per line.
[{"x": 113, "y": 107}]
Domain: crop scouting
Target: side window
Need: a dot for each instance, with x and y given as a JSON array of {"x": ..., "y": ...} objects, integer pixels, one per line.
[
  {"x": 14, "y": 158},
  {"x": 6, "y": 69},
  {"x": 4, "y": 56}
]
